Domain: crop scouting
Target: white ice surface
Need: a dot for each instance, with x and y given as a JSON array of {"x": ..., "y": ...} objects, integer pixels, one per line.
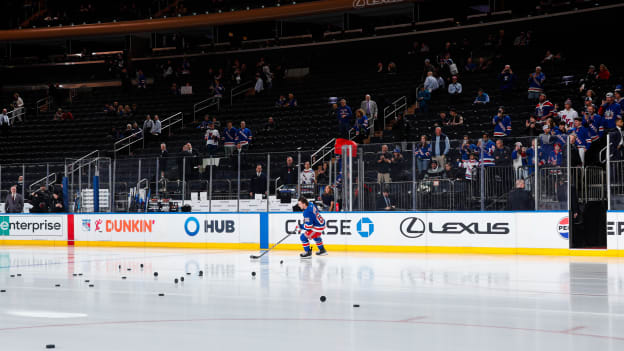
[{"x": 408, "y": 301}]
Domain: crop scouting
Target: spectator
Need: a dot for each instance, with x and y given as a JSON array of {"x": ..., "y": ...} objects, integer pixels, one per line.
[
  {"x": 380, "y": 67},
  {"x": 258, "y": 183},
  {"x": 470, "y": 66},
  {"x": 173, "y": 90},
  {"x": 440, "y": 146},
  {"x": 270, "y": 125},
  {"x": 259, "y": 87},
  {"x": 217, "y": 89},
  {"x": 289, "y": 173},
  {"x": 212, "y": 138},
  {"x": 141, "y": 80},
  {"x": 507, "y": 81},
  {"x": 470, "y": 166},
  {"x": 487, "y": 146},
  {"x": 532, "y": 128},
  {"x": 455, "y": 118},
  {"x": 369, "y": 107},
  {"x": 450, "y": 172},
  {"x": 58, "y": 115},
  {"x": 610, "y": 111},
  {"x": 568, "y": 114},
  {"x": 422, "y": 100},
  {"x": 328, "y": 199},
  {"x": 14, "y": 203},
  {"x": 18, "y": 106},
  {"x": 594, "y": 123},
  {"x": 392, "y": 68},
  {"x": 163, "y": 158},
  {"x": 582, "y": 137},
  {"x": 281, "y": 101},
  {"x": 545, "y": 137},
  {"x": 482, "y": 98},
  {"x": 186, "y": 89},
  {"x": 455, "y": 90},
  {"x": 148, "y": 124},
  {"x": 423, "y": 155},
  {"x": 397, "y": 168},
  {"x": 544, "y": 108},
  {"x": 520, "y": 199},
  {"x": 291, "y": 102},
  {"x": 361, "y": 126},
  {"x": 556, "y": 156},
  {"x": 589, "y": 80},
  {"x": 136, "y": 131},
  {"x": 4, "y": 122},
  {"x": 243, "y": 137},
  {"x": 443, "y": 119},
  {"x": 344, "y": 114},
  {"x": 307, "y": 175},
  {"x": 536, "y": 83},
  {"x": 588, "y": 101},
  {"x": 385, "y": 203},
  {"x": 156, "y": 128},
  {"x": 204, "y": 124},
  {"x": 603, "y": 73},
  {"x": 57, "y": 204},
  {"x": 322, "y": 173},
  {"x": 434, "y": 171},
  {"x": 384, "y": 161},
  {"x": 229, "y": 139},
  {"x": 502, "y": 123},
  {"x": 431, "y": 83},
  {"x": 502, "y": 156}
]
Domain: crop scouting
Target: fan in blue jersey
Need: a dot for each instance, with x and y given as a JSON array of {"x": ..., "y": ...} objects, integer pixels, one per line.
[
  {"x": 610, "y": 111},
  {"x": 312, "y": 228},
  {"x": 243, "y": 136},
  {"x": 229, "y": 139},
  {"x": 502, "y": 124},
  {"x": 583, "y": 137}
]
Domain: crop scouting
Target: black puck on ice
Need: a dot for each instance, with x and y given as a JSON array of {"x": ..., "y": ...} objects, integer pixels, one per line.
[
  {"x": 1, "y": 291},
  {"x": 12, "y": 275},
  {"x": 323, "y": 298},
  {"x": 50, "y": 346},
  {"x": 91, "y": 285},
  {"x": 253, "y": 274},
  {"x": 58, "y": 285},
  {"x": 175, "y": 281},
  {"x": 75, "y": 274},
  {"x": 356, "y": 305},
  {"x": 123, "y": 277},
  {"x": 86, "y": 281},
  {"x": 155, "y": 274},
  {"x": 187, "y": 273},
  {"x": 80, "y": 274},
  {"x": 19, "y": 275},
  {"x": 129, "y": 269},
  {"x": 161, "y": 294}
]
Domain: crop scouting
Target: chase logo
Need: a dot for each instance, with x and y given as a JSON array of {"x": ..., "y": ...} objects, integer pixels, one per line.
[
  {"x": 191, "y": 226},
  {"x": 4, "y": 225},
  {"x": 365, "y": 227},
  {"x": 563, "y": 227}
]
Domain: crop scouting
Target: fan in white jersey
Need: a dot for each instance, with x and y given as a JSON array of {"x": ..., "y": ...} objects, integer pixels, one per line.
[
  {"x": 307, "y": 174},
  {"x": 568, "y": 114}
]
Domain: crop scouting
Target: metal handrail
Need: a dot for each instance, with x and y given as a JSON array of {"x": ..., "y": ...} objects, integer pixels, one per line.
[
  {"x": 71, "y": 165},
  {"x": 46, "y": 101},
  {"x": 239, "y": 89},
  {"x": 129, "y": 138},
  {"x": 42, "y": 180},
  {"x": 325, "y": 146},
  {"x": 396, "y": 106},
  {"x": 16, "y": 113},
  {"x": 214, "y": 101}
]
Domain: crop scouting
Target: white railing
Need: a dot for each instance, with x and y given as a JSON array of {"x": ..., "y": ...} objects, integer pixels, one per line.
[
  {"x": 87, "y": 156},
  {"x": 41, "y": 103},
  {"x": 391, "y": 111},
  {"x": 48, "y": 179},
  {"x": 130, "y": 140},
  {"x": 17, "y": 113},
  {"x": 239, "y": 90},
  {"x": 324, "y": 150},
  {"x": 204, "y": 104}
]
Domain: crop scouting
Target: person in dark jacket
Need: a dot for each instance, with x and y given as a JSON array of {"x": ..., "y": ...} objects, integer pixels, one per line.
[
  {"x": 289, "y": 173},
  {"x": 385, "y": 202},
  {"x": 258, "y": 183},
  {"x": 502, "y": 156},
  {"x": 520, "y": 199}
]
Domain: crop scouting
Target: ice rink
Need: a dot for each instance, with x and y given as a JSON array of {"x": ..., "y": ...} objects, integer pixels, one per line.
[{"x": 407, "y": 301}]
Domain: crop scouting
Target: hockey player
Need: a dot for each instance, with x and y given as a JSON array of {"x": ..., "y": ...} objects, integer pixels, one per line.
[{"x": 312, "y": 227}]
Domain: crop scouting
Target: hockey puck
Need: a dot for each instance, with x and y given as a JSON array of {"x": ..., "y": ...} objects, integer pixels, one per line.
[
  {"x": 123, "y": 277},
  {"x": 75, "y": 274},
  {"x": 129, "y": 269},
  {"x": 356, "y": 305},
  {"x": 175, "y": 281},
  {"x": 58, "y": 285},
  {"x": 12, "y": 275},
  {"x": 80, "y": 274},
  {"x": 253, "y": 274},
  {"x": 181, "y": 279},
  {"x": 323, "y": 298},
  {"x": 161, "y": 294},
  {"x": 19, "y": 275},
  {"x": 1, "y": 291},
  {"x": 91, "y": 285},
  {"x": 155, "y": 274},
  {"x": 86, "y": 281},
  {"x": 50, "y": 346},
  {"x": 188, "y": 273}
]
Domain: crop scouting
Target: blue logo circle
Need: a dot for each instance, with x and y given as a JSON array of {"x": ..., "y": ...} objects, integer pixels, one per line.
[
  {"x": 365, "y": 227},
  {"x": 186, "y": 226}
]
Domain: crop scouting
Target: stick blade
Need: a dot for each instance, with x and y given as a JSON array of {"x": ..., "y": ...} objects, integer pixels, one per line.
[{"x": 254, "y": 257}]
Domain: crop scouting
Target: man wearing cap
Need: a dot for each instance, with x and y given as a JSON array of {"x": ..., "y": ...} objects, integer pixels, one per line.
[
  {"x": 455, "y": 91},
  {"x": 568, "y": 114},
  {"x": 610, "y": 110},
  {"x": 544, "y": 108}
]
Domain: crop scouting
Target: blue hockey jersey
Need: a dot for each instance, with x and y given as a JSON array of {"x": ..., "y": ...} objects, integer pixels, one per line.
[
  {"x": 243, "y": 136},
  {"x": 609, "y": 113},
  {"x": 229, "y": 136},
  {"x": 344, "y": 114},
  {"x": 502, "y": 126},
  {"x": 312, "y": 219}
]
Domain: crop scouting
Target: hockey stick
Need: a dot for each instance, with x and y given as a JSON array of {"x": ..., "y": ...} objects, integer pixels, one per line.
[{"x": 254, "y": 257}]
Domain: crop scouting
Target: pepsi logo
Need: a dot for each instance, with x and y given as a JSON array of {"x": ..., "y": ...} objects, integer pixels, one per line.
[{"x": 563, "y": 227}]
